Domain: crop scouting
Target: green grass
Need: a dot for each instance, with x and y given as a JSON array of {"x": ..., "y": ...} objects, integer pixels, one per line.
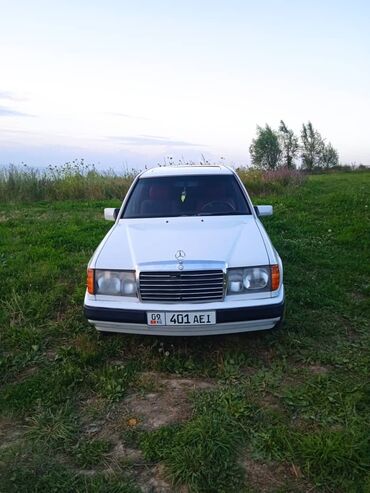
[
  {"x": 89, "y": 453},
  {"x": 34, "y": 470},
  {"x": 296, "y": 397},
  {"x": 202, "y": 454}
]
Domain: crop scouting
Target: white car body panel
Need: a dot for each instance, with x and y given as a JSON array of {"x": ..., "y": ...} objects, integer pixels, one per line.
[{"x": 234, "y": 240}]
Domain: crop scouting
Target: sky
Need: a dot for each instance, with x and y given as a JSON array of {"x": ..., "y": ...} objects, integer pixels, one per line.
[{"x": 128, "y": 84}]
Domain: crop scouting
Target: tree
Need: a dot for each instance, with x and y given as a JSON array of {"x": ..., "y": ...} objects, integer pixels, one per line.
[
  {"x": 329, "y": 157},
  {"x": 312, "y": 147},
  {"x": 289, "y": 144},
  {"x": 265, "y": 149}
]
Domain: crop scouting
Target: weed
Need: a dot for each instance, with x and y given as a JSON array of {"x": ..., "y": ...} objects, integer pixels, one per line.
[
  {"x": 200, "y": 453},
  {"x": 233, "y": 403},
  {"x": 131, "y": 437},
  {"x": 327, "y": 400},
  {"x": 263, "y": 182},
  {"x": 31, "y": 469},
  {"x": 331, "y": 458},
  {"x": 74, "y": 179},
  {"x": 113, "y": 381},
  {"x": 88, "y": 453},
  {"x": 52, "y": 426}
]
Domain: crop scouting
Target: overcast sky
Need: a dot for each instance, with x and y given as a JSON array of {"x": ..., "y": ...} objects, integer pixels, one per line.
[{"x": 133, "y": 82}]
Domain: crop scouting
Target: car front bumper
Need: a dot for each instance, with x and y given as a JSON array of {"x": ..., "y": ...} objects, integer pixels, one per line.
[{"x": 265, "y": 315}]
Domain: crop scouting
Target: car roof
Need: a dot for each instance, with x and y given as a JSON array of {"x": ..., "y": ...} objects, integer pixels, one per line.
[{"x": 186, "y": 170}]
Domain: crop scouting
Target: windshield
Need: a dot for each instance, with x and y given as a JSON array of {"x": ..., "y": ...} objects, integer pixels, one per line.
[{"x": 197, "y": 195}]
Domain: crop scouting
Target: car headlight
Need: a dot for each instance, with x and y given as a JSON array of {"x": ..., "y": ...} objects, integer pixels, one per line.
[
  {"x": 115, "y": 282},
  {"x": 253, "y": 279},
  {"x": 256, "y": 278}
]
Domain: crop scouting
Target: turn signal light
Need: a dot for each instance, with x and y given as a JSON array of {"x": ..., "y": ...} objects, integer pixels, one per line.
[
  {"x": 90, "y": 281},
  {"x": 275, "y": 277}
]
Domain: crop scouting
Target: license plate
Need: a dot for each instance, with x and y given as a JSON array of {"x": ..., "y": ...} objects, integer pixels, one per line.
[{"x": 181, "y": 318}]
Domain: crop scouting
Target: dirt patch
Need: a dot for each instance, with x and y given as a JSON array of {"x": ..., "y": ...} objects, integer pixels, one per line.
[
  {"x": 155, "y": 480},
  {"x": 26, "y": 373},
  {"x": 150, "y": 478},
  {"x": 318, "y": 369},
  {"x": 299, "y": 378},
  {"x": 10, "y": 216},
  {"x": 268, "y": 478},
  {"x": 270, "y": 401},
  {"x": 358, "y": 297},
  {"x": 122, "y": 453},
  {"x": 169, "y": 404},
  {"x": 10, "y": 432}
]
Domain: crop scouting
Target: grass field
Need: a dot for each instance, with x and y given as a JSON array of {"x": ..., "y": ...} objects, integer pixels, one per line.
[{"x": 267, "y": 412}]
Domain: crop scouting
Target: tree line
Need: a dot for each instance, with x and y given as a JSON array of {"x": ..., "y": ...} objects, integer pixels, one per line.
[{"x": 272, "y": 149}]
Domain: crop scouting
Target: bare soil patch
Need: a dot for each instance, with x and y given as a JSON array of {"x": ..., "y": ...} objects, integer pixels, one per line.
[
  {"x": 169, "y": 404},
  {"x": 268, "y": 478},
  {"x": 154, "y": 480},
  {"x": 10, "y": 432},
  {"x": 318, "y": 369}
]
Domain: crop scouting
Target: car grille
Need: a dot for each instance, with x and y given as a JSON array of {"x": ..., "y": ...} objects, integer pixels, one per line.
[{"x": 200, "y": 285}]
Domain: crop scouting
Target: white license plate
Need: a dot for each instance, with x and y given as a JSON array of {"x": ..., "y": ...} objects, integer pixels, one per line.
[{"x": 181, "y": 318}]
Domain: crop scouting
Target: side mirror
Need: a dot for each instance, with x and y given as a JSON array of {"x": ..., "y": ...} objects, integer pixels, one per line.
[
  {"x": 263, "y": 210},
  {"x": 110, "y": 214}
]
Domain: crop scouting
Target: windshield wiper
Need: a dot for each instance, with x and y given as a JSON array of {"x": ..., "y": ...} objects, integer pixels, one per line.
[{"x": 221, "y": 214}]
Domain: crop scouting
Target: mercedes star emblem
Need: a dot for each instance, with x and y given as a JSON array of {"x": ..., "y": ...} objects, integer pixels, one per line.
[{"x": 180, "y": 254}]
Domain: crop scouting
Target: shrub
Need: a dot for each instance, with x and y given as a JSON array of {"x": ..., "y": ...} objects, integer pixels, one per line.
[{"x": 271, "y": 181}]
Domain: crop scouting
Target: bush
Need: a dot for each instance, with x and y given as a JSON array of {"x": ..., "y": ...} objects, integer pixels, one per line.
[{"x": 272, "y": 181}]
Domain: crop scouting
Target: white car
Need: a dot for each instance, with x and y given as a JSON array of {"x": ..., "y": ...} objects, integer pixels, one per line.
[{"x": 187, "y": 255}]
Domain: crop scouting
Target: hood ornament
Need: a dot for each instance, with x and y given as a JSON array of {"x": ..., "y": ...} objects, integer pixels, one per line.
[{"x": 180, "y": 255}]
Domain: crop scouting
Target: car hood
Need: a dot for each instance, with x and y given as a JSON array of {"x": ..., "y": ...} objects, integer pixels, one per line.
[{"x": 149, "y": 244}]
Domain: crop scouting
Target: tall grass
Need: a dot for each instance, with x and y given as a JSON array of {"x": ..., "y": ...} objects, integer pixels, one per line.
[
  {"x": 74, "y": 180},
  {"x": 260, "y": 182},
  {"x": 78, "y": 180}
]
